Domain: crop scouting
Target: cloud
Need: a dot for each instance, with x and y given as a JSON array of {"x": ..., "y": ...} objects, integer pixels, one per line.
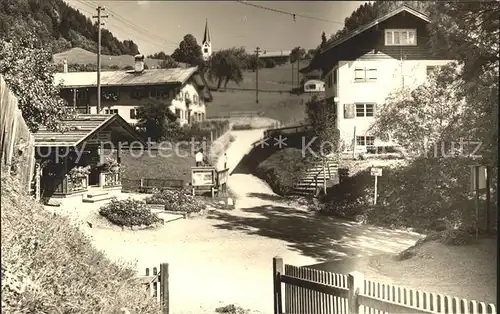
[{"x": 143, "y": 3}]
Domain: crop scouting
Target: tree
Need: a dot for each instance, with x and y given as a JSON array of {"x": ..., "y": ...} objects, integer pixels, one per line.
[
  {"x": 226, "y": 65},
  {"x": 469, "y": 32},
  {"x": 323, "y": 40},
  {"x": 251, "y": 63},
  {"x": 29, "y": 72},
  {"x": 416, "y": 119},
  {"x": 297, "y": 53},
  {"x": 189, "y": 52},
  {"x": 158, "y": 122},
  {"x": 168, "y": 63},
  {"x": 322, "y": 117}
]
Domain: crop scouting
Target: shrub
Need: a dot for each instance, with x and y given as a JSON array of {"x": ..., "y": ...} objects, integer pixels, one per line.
[
  {"x": 179, "y": 201},
  {"x": 50, "y": 266},
  {"x": 129, "y": 213},
  {"x": 419, "y": 195},
  {"x": 231, "y": 309},
  {"x": 283, "y": 169}
]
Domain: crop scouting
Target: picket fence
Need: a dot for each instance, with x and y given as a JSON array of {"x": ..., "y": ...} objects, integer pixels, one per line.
[
  {"x": 156, "y": 283},
  {"x": 17, "y": 142},
  {"x": 311, "y": 291}
]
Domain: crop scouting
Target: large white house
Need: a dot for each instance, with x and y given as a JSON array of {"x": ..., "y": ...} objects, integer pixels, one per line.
[
  {"x": 361, "y": 70},
  {"x": 183, "y": 90}
]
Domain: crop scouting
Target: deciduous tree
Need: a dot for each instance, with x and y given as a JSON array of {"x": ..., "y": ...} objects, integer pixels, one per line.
[
  {"x": 29, "y": 72},
  {"x": 321, "y": 116},
  {"x": 189, "y": 52},
  {"x": 225, "y": 66}
]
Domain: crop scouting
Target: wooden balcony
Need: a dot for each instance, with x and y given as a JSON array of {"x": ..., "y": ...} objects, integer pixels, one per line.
[{"x": 64, "y": 186}]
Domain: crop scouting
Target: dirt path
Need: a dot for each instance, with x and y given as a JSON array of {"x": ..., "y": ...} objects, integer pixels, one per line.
[{"x": 226, "y": 257}]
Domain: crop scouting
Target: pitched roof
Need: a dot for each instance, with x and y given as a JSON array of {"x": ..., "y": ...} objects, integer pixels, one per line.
[
  {"x": 274, "y": 54},
  {"x": 365, "y": 27},
  {"x": 81, "y": 128},
  {"x": 361, "y": 29},
  {"x": 125, "y": 78},
  {"x": 206, "y": 36}
]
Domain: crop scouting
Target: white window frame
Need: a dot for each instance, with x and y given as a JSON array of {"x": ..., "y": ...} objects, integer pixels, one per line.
[
  {"x": 364, "y": 110},
  {"x": 365, "y": 72},
  {"x": 397, "y": 33},
  {"x": 364, "y": 140}
]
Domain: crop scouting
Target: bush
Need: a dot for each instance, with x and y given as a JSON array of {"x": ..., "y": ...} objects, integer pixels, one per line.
[
  {"x": 419, "y": 195},
  {"x": 283, "y": 169},
  {"x": 178, "y": 201},
  {"x": 129, "y": 213},
  {"x": 231, "y": 309},
  {"x": 50, "y": 266}
]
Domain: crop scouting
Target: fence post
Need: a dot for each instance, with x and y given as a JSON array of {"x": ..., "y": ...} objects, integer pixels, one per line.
[
  {"x": 164, "y": 293},
  {"x": 277, "y": 271},
  {"x": 355, "y": 283}
]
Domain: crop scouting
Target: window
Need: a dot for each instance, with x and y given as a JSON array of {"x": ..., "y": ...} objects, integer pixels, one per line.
[
  {"x": 365, "y": 140},
  {"x": 110, "y": 111},
  {"x": 365, "y": 110},
  {"x": 178, "y": 113},
  {"x": 430, "y": 69},
  {"x": 310, "y": 86},
  {"x": 400, "y": 37},
  {"x": 365, "y": 75},
  {"x": 186, "y": 96},
  {"x": 133, "y": 113},
  {"x": 195, "y": 99},
  {"x": 334, "y": 77},
  {"x": 205, "y": 50}
]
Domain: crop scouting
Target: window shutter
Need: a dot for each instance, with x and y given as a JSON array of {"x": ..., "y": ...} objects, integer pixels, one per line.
[{"x": 349, "y": 111}]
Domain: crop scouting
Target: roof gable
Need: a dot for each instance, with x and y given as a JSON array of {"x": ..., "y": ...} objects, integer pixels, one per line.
[
  {"x": 82, "y": 128},
  {"x": 375, "y": 22}
]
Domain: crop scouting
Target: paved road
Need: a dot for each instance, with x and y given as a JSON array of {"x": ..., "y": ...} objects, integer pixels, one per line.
[{"x": 226, "y": 257}]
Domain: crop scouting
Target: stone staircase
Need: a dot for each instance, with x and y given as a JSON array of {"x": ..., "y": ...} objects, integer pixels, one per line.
[
  {"x": 97, "y": 195},
  {"x": 315, "y": 177}
]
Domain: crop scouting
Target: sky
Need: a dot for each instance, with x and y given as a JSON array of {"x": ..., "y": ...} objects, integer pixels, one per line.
[{"x": 160, "y": 25}]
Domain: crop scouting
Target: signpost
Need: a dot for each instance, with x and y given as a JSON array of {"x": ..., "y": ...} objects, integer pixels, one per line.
[
  {"x": 375, "y": 172},
  {"x": 480, "y": 181},
  {"x": 203, "y": 178}
]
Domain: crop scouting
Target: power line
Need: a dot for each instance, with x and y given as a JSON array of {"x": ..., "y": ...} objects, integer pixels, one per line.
[
  {"x": 147, "y": 35},
  {"x": 293, "y": 15}
]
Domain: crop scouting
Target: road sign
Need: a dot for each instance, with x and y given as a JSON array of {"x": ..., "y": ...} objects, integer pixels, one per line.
[{"x": 376, "y": 172}]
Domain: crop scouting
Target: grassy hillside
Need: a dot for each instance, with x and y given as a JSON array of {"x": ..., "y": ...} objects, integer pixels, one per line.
[
  {"x": 82, "y": 56},
  {"x": 50, "y": 266},
  {"x": 58, "y": 26},
  {"x": 282, "y": 107}
]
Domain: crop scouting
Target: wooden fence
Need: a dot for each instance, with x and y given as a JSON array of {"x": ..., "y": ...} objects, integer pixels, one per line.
[
  {"x": 157, "y": 285},
  {"x": 311, "y": 291},
  {"x": 17, "y": 142}
]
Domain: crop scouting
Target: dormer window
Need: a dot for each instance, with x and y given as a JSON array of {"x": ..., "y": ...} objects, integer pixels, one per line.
[{"x": 400, "y": 37}]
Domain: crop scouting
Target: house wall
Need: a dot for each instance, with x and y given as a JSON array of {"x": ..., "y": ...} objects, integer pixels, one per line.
[
  {"x": 391, "y": 75},
  {"x": 175, "y": 99},
  {"x": 395, "y": 66}
]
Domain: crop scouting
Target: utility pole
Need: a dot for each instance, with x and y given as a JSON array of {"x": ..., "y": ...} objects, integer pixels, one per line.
[
  {"x": 298, "y": 66},
  {"x": 257, "y": 76},
  {"x": 99, "y": 17}
]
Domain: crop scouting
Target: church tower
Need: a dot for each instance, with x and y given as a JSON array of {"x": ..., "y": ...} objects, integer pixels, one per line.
[{"x": 206, "y": 45}]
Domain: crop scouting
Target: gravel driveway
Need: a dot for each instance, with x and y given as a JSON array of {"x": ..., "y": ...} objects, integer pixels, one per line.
[{"x": 226, "y": 257}]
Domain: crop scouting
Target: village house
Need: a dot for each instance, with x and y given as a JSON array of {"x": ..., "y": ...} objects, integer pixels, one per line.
[
  {"x": 183, "y": 90},
  {"x": 83, "y": 160},
  {"x": 362, "y": 68}
]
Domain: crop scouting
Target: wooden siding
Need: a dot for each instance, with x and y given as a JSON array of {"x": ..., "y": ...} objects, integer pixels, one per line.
[{"x": 371, "y": 44}]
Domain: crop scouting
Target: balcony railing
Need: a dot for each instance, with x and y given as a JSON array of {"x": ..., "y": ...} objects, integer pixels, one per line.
[
  {"x": 63, "y": 185},
  {"x": 110, "y": 179}
]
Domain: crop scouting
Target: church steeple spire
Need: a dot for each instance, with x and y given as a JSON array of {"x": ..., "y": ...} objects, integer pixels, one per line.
[
  {"x": 206, "y": 36},
  {"x": 206, "y": 44}
]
